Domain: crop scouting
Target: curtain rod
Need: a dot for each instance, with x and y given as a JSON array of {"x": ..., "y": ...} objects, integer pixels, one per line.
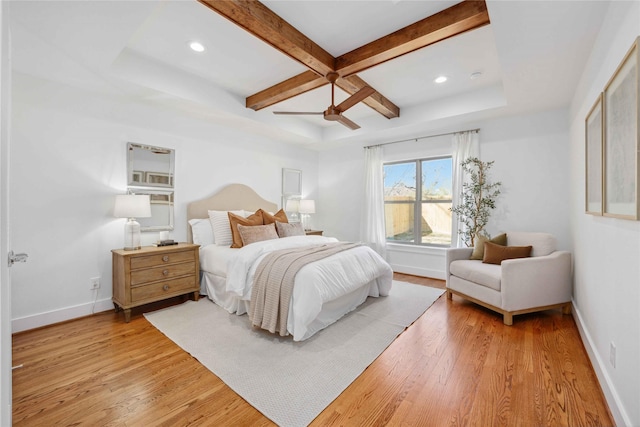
[{"x": 422, "y": 137}]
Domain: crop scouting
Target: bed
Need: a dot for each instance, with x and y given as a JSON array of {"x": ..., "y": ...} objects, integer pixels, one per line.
[{"x": 324, "y": 290}]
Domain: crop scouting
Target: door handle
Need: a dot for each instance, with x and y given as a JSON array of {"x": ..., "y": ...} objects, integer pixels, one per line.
[{"x": 13, "y": 258}]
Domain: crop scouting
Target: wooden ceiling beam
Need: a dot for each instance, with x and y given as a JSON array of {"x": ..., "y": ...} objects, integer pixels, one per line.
[
  {"x": 259, "y": 20},
  {"x": 377, "y": 101},
  {"x": 287, "y": 89},
  {"x": 308, "y": 81},
  {"x": 460, "y": 18}
]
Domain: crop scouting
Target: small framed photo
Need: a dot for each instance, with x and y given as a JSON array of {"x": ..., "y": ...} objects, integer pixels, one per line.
[
  {"x": 593, "y": 158},
  {"x": 621, "y": 139},
  {"x": 159, "y": 179},
  {"x": 161, "y": 198},
  {"x": 137, "y": 177}
]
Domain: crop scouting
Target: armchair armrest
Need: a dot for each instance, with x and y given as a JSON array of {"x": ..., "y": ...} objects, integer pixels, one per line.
[
  {"x": 454, "y": 254},
  {"x": 536, "y": 281}
]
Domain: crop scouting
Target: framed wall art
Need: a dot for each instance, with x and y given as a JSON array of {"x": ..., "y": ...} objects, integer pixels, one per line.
[
  {"x": 621, "y": 139},
  {"x": 593, "y": 159}
]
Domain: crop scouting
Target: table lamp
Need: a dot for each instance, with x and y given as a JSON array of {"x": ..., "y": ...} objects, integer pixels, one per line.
[
  {"x": 306, "y": 207},
  {"x": 292, "y": 206},
  {"x": 132, "y": 206}
]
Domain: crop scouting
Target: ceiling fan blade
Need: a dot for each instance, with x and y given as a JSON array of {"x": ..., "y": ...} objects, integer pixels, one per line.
[
  {"x": 299, "y": 113},
  {"x": 355, "y": 98},
  {"x": 348, "y": 123}
]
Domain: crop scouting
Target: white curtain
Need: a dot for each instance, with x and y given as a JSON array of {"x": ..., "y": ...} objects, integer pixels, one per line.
[
  {"x": 372, "y": 230},
  {"x": 465, "y": 145}
]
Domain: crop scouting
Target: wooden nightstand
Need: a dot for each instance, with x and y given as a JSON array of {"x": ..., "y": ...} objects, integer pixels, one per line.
[
  {"x": 154, "y": 273},
  {"x": 313, "y": 232}
]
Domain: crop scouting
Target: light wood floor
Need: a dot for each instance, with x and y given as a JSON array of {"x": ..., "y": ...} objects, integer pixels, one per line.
[{"x": 457, "y": 365}]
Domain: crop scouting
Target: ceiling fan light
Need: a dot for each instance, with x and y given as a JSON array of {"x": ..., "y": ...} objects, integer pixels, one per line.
[
  {"x": 196, "y": 46},
  {"x": 440, "y": 79}
]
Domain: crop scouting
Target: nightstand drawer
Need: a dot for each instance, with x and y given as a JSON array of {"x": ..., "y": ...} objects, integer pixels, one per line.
[
  {"x": 161, "y": 289},
  {"x": 162, "y": 272},
  {"x": 160, "y": 259}
]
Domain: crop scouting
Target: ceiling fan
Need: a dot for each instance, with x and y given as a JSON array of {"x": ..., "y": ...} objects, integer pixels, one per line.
[{"x": 334, "y": 113}]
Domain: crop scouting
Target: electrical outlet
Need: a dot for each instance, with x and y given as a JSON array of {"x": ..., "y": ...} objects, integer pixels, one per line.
[
  {"x": 94, "y": 283},
  {"x": 612, "y": 354}
]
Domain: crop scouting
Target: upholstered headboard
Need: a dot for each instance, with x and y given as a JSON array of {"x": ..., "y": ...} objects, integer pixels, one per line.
[{"x": 231, "y": 197}]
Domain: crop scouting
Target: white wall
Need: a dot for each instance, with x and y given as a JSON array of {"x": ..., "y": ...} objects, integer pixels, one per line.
[
  {"x": 607, "y": 250},
  {"x": 530, "y": 153},
  {"x": 68, "y": 163}
]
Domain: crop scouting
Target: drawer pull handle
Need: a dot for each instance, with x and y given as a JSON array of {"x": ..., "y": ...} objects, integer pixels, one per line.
[
  {"x": 165, "y": 258},
  {"x": 165, "y": 287},
  {"x": 165, "y": 272}
]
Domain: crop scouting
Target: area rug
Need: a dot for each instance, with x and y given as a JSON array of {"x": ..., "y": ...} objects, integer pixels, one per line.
[{"x": 292, "y": 382}]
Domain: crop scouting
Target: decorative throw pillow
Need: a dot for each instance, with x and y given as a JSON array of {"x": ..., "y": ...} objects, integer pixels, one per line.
[
  {"x": 235, "y": 220},
  {"x": 221, "y": 227},
  {"x": 495, "y": 254},
  {"x": 478, "y": 249},
  {"x": 290, "y": 229},
  {"x": 267, "y": 218},
  {"x": 257, "y": 233}
]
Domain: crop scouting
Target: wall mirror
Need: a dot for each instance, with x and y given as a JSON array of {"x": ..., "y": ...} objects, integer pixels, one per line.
[
  {"x": 291, "y": 182},
  {"x": 291, "y": 187},
  {"x": 161, "y": 210},
  {"x": 151, "y": 170},
  {"x": 149, "y": 166}
]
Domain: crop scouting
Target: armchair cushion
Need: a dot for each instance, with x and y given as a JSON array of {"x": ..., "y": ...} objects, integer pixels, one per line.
[
  {"x": 487, "y": 275},
  {"x": 495, "y": 254}
]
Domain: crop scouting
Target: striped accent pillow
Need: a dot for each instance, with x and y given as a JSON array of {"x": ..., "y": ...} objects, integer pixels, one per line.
[{"x": 222, "y": 227}]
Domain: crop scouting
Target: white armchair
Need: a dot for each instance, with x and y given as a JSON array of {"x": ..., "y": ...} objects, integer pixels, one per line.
[{"x": 517, "y": 286}]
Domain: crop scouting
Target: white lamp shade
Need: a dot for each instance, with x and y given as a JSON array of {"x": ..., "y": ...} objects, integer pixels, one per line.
[
  {"x": 307, "y": 206},
  {"x": 132, "y": 206},
  {"x": 292, "y": 205}
]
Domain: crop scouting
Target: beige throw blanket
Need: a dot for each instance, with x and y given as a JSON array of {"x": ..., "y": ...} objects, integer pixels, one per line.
[{"x": 274, "y": 279}]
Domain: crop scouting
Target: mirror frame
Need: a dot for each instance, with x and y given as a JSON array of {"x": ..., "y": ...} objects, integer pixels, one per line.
[
  {"x": 159, "y": 197},
  {"x": 138, "y": 182},
  {"x": 137, "y": 177}
]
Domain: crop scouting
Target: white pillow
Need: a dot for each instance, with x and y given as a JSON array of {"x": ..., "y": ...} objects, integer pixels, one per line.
[
  {"x": 201, "y": 231},
  {"x": 221, "y": 226}
]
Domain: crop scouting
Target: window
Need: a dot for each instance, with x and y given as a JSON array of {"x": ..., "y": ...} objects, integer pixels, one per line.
[{"x": 417, "y": 211}]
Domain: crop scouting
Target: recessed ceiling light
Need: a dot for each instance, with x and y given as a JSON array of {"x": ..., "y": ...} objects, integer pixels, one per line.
[
  {"x": 441, "y": 79},
  {"x": 196, "y": 46}
]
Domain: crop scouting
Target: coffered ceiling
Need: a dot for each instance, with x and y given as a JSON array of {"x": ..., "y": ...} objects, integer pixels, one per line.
[{"x": 529, "y": 58}]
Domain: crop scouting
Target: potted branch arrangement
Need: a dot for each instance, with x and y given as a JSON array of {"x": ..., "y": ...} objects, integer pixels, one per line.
[{"x": 477, "y": 199}]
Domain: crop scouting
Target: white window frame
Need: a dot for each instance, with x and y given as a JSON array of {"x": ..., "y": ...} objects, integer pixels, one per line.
[{"x": 417, "y": 203}]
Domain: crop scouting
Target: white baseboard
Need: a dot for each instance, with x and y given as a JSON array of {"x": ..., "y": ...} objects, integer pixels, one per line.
[
  {"x": 48, "y": 318},
  {"x": 616, "y": 407},
  {"x": 418, "y": 271}
]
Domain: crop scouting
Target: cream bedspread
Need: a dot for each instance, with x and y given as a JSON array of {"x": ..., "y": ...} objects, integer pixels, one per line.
[
  {"x": 358, "y": 270},
  {"x": 274, "y": 281}
]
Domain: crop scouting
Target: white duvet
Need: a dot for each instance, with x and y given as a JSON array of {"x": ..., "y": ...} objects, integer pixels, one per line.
[{"x": 324, "y": 290}]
